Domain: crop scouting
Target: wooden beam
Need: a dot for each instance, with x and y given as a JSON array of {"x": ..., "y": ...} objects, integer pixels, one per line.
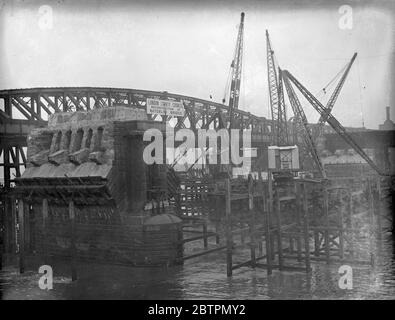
[
  {"x": 72, "y": 240},
  {"x": 306, "y": 229},
  {"x": 228, "y": 222},
  {"x": 44, "y": 226},
  {"x": 277, "y": 209},
  {"x": 21, "y": 223},
  {"x": 199, "y": 254}
]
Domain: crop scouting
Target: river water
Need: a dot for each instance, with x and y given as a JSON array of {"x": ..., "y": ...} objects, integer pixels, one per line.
[{"x": 205, "y": 278}]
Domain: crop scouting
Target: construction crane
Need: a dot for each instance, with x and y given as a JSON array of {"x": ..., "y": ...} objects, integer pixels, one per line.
[
  {"x": 277, "y": 105},
  {"x": 235, "y": 72},
  {"x": 301, "y": 128},
  {"x": 235, "y": 81},
  {"x": 302, "y": 124},
  {"x": 331, "y": 102},
  {"x": 331, "y": 120}
]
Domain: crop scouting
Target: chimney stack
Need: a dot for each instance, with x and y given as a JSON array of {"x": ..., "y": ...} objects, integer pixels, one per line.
[{"x": 388, "y": 113}]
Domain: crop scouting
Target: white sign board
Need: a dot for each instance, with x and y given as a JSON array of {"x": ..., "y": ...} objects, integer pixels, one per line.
[{"x": 165, "y": 107}]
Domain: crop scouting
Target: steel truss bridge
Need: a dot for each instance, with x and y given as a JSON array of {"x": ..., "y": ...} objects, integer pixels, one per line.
[{"x": 21, "y": 110}]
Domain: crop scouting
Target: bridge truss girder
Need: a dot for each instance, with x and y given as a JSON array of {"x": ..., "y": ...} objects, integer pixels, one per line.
[{"x": 23, "y": 109}]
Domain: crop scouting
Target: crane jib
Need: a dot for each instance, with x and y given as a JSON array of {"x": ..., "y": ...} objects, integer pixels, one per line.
[
  {"x": 333, "y": 122},
  {"x": 335, "y": 94}
]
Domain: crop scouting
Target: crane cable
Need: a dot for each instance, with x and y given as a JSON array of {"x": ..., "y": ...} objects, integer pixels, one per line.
[
  {"x": 360, "y": 94},
  {"x": 331, "y": 83},
  {"x": 324, "y": 90}
]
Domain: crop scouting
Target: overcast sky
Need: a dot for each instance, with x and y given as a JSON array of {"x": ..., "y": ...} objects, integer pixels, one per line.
[{"x": 186, "y": 48}]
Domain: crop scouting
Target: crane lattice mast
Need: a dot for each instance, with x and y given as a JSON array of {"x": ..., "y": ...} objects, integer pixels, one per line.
[
  {"x": 331, "y": 102},
  {"x": 277, "y": 105},
  {"x": 236, "y": 68},
  {"x": 332, "y": 121},
  {"x": 308, "y": 146}
]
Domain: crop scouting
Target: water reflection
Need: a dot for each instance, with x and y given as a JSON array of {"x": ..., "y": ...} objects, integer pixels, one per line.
[{"x": 205, "y": 278}]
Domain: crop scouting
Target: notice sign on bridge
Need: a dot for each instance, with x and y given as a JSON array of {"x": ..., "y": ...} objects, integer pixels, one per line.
[{"x": 165, "y": 107}]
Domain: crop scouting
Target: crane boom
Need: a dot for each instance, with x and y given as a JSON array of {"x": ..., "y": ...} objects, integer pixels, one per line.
[
  {"x": 277, "y": 106},
  {"x": 302, "y": 122},
  {"x": 282, "y": 115},
  {"x": 235, "y": 71},
  {"x": 331, "y": 102},
  {"x": 236, "y": 68},
  {"x": 333, "y": 122}
]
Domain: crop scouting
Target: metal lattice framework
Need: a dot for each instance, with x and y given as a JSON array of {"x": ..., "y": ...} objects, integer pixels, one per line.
[
  {"x": 331, "y": 102},
  {"x": 332, "y": 121},
  {"x": 236, "y": 66},
  {"x": 308, "y": 145},
  {"x": 277, "y": 105},
  {"x": 23, "y": 109}
]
